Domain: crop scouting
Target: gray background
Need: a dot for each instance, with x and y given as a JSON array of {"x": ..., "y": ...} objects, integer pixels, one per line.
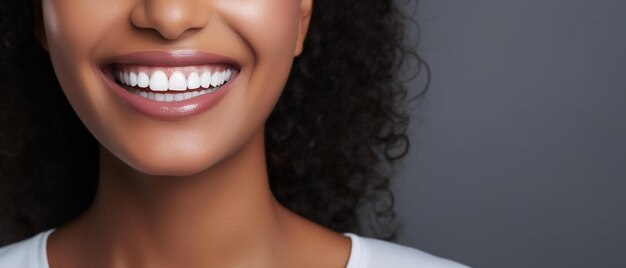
[{"x": 518, "y": 156}]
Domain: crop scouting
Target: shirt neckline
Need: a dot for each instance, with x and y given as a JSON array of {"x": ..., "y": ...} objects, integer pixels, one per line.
[
  {"x": 41, "y": 260},
  {"x": 356, "y": 251},
  {"x": 354, "y": 260}
]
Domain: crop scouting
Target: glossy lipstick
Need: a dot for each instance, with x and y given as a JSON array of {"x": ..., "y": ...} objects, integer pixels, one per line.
[{"x": 174, "y": 110}]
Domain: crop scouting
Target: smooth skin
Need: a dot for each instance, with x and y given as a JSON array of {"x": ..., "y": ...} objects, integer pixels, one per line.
[{"x": 192, "y": 192}]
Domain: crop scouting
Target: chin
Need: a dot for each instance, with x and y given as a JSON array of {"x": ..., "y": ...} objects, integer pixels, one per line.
[
  {"x": 169, "y": 170},
  {"x": 178, "y": 164}
]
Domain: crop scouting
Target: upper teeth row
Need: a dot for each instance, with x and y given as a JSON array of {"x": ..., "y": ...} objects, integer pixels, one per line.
[{"x": 177, "y": 81}]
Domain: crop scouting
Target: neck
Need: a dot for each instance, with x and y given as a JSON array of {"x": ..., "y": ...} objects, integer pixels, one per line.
[{"x": 222, "y": 214}]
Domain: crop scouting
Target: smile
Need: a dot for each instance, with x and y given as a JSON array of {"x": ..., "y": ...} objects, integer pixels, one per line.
[{"x": 170, "y": 85}]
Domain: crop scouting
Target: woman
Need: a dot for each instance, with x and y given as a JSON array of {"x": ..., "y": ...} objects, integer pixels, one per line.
[{"x": 190, "y": 170}]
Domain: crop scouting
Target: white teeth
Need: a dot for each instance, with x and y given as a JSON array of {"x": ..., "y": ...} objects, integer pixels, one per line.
[
  {"x": 222, "y": 77},
  {"x": 215, "y": 79},
  {"x": 158, "y": 81},
  {"x": 174, "y": 87},
  {"x": 205, "y": 80},
  {"x": 126, "y": 78},
  {"x": 193, "y": 81},
  {"x": 143, "y": 81},
  {"x": 159, "y": 97},
  {"x": 133, "y": 79},
  {"x": 177, "y": 82},
  {"x": 179, "y": 96},
  {"x": 171, "y": 97},
  {"x": 228, "y": 74}
]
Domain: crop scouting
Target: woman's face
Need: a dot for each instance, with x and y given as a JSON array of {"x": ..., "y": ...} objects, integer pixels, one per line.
[{"x": 172, "y": 87}]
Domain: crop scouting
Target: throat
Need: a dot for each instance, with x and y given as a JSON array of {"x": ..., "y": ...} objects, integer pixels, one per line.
[{"x": 184, "y": 221}]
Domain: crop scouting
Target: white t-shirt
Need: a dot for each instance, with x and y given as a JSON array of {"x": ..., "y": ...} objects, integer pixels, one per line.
[{"x": 365, "y": 253}]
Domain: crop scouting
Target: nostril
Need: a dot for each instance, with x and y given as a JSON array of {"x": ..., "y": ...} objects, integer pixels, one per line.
[{"x": 170, "y": 19}]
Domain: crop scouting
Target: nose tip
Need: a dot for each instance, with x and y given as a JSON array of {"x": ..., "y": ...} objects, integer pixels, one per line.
[{"x": 170, "y": 18}]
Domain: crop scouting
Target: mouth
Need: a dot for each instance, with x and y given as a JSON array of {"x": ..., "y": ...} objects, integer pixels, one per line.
[{"x": 168, "y": 85}]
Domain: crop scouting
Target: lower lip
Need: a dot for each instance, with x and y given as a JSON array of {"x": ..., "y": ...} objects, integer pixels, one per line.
[{"x": 175, "y": 110}]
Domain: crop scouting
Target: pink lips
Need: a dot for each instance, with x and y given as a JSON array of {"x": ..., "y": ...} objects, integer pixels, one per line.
[{"x": 169, "y": 110}]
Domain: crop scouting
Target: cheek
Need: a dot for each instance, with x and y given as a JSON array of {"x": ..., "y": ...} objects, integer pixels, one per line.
[
  {"x": 71, "y": 36},
  {"x": 270, "y": 29},
  {"x": 269, "y": 26},
  {"x": 74, "y": 28}
]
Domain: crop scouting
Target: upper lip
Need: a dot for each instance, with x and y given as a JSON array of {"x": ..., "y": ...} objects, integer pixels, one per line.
[{"x": 171, "y": 58}]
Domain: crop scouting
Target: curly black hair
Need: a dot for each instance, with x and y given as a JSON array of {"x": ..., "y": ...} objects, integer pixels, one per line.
[{"x": 336, "y": 129}]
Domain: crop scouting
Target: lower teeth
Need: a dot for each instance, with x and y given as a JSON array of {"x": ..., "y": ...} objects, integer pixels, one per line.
[{"x": 170, "y": 97}]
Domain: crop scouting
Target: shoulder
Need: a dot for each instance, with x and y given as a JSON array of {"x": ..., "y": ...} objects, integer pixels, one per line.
[
  {"x": 26, "y": 253},
  {"x": 375, "y": 253}
]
